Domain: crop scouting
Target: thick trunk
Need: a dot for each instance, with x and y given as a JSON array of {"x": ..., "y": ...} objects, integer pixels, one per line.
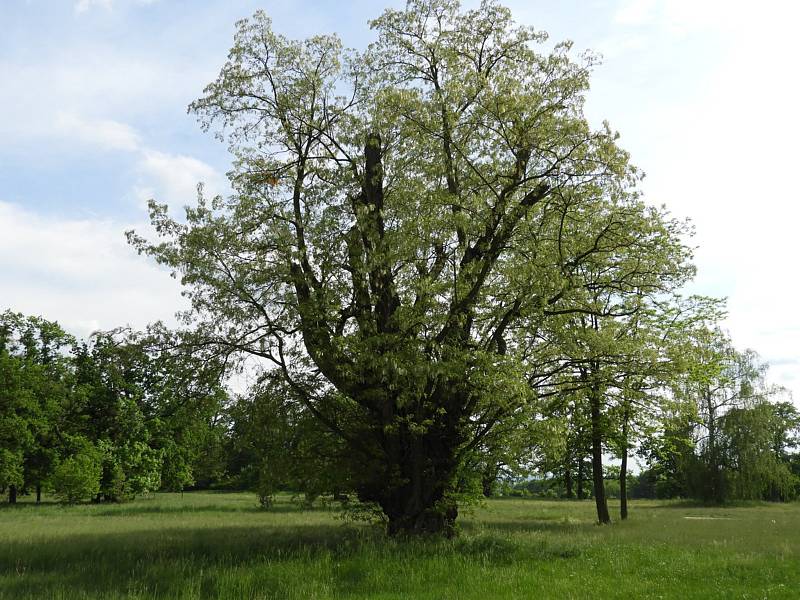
[
  {"x": 597, "y": 459},
  {"x": 12, "y": 494},
  {"x": 419, "y": 478},
  {"x": 421, "y": 504},
  {"x": 439, "y": 519}
]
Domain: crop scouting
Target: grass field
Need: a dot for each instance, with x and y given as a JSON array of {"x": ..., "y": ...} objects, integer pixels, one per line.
[{"x": 215, "y": 545}]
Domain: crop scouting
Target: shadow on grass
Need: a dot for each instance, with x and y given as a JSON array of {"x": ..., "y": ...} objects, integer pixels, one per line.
[
  {"x": 195, "y": 561},
  {"x": 24, "y": 505},
  {"x": 122, "y": 510},
  {"x": 167, "y": 560}
]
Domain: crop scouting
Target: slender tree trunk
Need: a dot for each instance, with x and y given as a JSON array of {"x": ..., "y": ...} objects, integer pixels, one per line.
[
  {"x": 581, "y": 493},
  {"x": 623, "y": 487},
  {"x": 623, "y": 470},
  {"x": 568, "y": 480},
  {"x": 713, "y": 459},
  {"x": 597, "y": 458},
  {"x": 487, "y": 484},
  {"x": 12, "y": 494},
  {"x": 38, "y": 493}
]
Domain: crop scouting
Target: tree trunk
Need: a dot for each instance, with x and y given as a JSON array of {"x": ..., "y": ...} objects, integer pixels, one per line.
[
  {"x": 487, "y": 483},
  {"x": 580, "y": 490},
  {"x": 421, "y": 505},
  {"x": 436, "y": 520},
  {"x": 715, "y": 482},
  {"x": 12, "y": 494},
  {"x": 568, "y": 481},
  {"x": 597, "y": 459},
  {"x": 623, "y": 471},
  {"x": 416, "y": 491},
  {"x": 38, "y": 493},
  {"x": 623, "y": 487}
]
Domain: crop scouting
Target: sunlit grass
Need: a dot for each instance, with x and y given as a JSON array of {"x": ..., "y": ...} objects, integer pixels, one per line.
[{"x": 214, "y": 545}]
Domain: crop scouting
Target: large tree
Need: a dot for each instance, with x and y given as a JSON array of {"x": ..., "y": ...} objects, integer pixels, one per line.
[{"x": 402, "y": 219}]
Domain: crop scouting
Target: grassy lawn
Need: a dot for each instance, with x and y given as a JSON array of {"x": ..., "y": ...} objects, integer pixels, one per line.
[{"x": 215, "y": 545}]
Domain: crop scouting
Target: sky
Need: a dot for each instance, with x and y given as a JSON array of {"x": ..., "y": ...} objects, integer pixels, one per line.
[{"x": 93, "y": 123}]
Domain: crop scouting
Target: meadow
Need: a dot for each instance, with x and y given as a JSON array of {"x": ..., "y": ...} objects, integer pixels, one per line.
[{"x": 222, "y": 545}]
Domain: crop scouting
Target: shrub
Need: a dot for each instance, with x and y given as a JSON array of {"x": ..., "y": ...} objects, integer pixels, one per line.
[{"x": 78, "y": 477}]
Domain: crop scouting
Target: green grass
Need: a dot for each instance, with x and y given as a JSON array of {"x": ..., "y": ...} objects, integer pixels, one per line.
[{"x": 215, "y": 545}]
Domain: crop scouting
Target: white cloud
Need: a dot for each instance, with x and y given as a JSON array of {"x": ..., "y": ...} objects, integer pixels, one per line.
[
  {"x": 93, "y": 81},
  {"x": 81, "y": 6},
  {"x": 684, "y": 16},
  {"x": 716, "y": 134},
  {"x": 103, "y": 133},
  {"x": 174, "y": 177},
  {"x": 164, "y": 176},
  {"x": 80, "y": 272},
  {"x": 636, "y": 12}
]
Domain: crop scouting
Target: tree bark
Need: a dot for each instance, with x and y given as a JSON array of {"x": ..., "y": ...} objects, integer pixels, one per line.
[
  {"x": 623, "y": 487},
  {"x": 597, "y": 458},
  {"x": 38, "y": 493},
  {"x": 623, "y": 471},
  {"x": 580, "y": 490},
  {"x": 570, "y": 493},
  {"x": 12, "y": 494},
  {"x": 414, "y": 485},
  {"x": 487, "y": 482},
  {"x": 421, "y": 504},
  {"x": 716, "y": 493}
]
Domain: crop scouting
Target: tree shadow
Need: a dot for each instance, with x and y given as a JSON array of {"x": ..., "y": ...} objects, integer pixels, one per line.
[
  {"x": 194, "y": 561},
  {"x": 122, "y": 510},
  {"x": 26, "y": 505},
  {"x": 166, "y": 560}
]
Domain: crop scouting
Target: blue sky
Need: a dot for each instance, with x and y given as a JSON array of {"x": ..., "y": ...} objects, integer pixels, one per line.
[{"x": 93, "y": 122}]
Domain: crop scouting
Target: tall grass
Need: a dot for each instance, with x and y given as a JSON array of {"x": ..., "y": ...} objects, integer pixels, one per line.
[{"x": 214, "y": 545}]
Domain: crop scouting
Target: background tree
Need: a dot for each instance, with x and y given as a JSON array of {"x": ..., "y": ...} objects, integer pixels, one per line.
[
  {"x": 35, "y": 386},
  {"x": 149, "y": 406},
  {"x": 78, "y": 477},
  {"x": 752, "y": 469},
  {"x": 276, "y": 444}
]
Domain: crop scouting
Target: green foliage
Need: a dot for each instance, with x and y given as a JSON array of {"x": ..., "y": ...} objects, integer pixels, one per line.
[
  {"x": 144, "y": 404},
  {"x": 34, "y": 388},
  {"x": 277, "y": 444},
  {"x": 723, "y": 435},
  {"x": 11, "y": 468},
  {"x": 77, "y": 477},
  {"x": 754, "y": 470},
  {"x": 407, "y": 225}
]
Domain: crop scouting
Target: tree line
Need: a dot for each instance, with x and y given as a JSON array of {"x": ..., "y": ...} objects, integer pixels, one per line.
[
  {"x": 126, "y": 413},
  {"x": 106, "y": 419}
]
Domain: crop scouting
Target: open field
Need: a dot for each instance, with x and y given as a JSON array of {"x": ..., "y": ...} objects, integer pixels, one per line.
[{"x": 215, "y": 545}]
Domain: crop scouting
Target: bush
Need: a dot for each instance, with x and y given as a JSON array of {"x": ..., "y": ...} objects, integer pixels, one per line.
[{"x": 78, "y": 477}]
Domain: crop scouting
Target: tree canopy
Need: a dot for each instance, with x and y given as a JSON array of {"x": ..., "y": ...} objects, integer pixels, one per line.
[{"x": 406, "y": 222}]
